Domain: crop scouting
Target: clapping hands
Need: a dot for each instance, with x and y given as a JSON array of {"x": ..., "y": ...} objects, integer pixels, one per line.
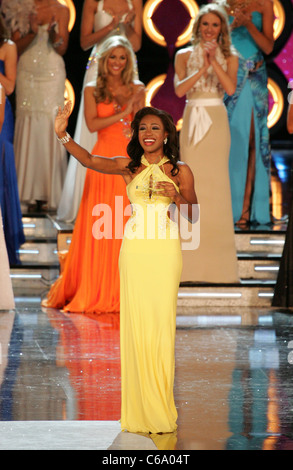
[
  {"x": 209, "y": 49},
  {"x": 241, "y": 18}
]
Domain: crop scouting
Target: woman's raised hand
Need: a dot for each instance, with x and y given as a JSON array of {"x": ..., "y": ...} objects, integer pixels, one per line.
[{"x": 61, "y": 120}]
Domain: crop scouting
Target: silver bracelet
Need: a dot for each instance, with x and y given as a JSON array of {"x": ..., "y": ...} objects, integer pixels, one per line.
[
  {"x": 64, "y": 139},
  {"x": 58, "y": 43}
]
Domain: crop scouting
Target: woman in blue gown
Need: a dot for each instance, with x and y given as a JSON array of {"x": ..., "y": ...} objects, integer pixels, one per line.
[
  {"x": 250, "y": 157},
  {"x": 9, "y": 198}
]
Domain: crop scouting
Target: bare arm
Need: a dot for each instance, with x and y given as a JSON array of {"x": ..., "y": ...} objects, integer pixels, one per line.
[
  {"x": 186, "y": 200},
  {"x": 228, "y": 79},
  {"x": 182, "y": 82},
  {"x": 88, "y": 38},
  {"x": 115, "y": 166},
  {"x": 7, "y": 80},
  {"x": 58, "y": 31},
  {"x": 133, "y": 24},
  {"x": 96, "y": 123},
  {"x": 264, "y": 38},
  {"x": 290, "y": 113},
  {"x": 22, "y": 42},
  {"x": 59, "y": 35},
  {"x": 2, "y": 107}
]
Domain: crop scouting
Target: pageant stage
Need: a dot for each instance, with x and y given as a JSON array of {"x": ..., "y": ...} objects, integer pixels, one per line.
[{"x": 60, "y": 374}]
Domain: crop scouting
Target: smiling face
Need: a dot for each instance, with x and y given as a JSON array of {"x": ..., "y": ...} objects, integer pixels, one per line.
[
  {"x": 151, "y": 133},
  {"x": 210, "y": 27},
  {"x": 117, "y": 60}
]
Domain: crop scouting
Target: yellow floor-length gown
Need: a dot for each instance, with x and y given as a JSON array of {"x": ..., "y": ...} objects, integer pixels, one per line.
[{"x": 150, "y": 269}]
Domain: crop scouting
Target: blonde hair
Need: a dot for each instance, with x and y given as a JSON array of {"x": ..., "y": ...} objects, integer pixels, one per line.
[
  {"x": 102, "y": 93},
  {"x": 224, "y": 38}
]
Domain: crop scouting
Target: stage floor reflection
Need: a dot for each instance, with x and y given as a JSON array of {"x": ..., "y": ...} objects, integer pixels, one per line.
[{"x": 60, "y": 381}]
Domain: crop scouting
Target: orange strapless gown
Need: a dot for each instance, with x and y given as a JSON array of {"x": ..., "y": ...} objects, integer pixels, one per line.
[{"x": 90, "y": 279}]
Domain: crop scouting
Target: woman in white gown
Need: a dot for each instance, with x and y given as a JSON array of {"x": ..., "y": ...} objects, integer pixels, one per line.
[
  {"x": 100, "y": 20},
  {"x": 40, "y": 30}
]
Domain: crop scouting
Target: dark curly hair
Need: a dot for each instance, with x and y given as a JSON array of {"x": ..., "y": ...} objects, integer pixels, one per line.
[{"x": 171, "y": 150}]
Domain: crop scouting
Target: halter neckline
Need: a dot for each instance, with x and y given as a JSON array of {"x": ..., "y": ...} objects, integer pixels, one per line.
[{"x": 160, "y": 163}]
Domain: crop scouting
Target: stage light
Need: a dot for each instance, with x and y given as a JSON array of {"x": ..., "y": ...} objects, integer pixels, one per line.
[
  {"x": 275, "y": 91},
  {"x": 192, "y": 8},
  {"x": 70, "y": 5},
  {"x": 153, "y": 86},
  {"x": 69, "y": 94},
  {"x": 153, "y": 32},
  {"x": 278, "y": 102},
  {"x": 280, "y": 17}
]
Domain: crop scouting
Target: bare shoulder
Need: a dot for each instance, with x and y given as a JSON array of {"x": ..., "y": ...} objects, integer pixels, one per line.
[
  {"x": 138, "y": 84},
  {"x": 184, "y": 169},
  {"x": 9, "y": 50},
  {"x": 122, "y": 167},
  {"x": 266, "y": 6},
  {"x": 137, "y": 4},
  {"x": 183, "y": 54},
  {"x": 62, "y": 10},
  {"x": 9, "y": 45},
  {"x": 90, "y": 6},
  {"x": 233, "y": 58},
  {"x": 122, "y": 163}
]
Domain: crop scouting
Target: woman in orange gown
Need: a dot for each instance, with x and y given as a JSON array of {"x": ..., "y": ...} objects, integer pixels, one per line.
[{"x": 89, "y": 282}]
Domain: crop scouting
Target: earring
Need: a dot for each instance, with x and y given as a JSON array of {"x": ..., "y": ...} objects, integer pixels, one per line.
[{"x": 165, "y": 140}]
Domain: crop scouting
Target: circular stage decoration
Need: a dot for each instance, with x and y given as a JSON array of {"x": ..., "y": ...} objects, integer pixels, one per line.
[
  {"x": 70, "y": 5},
  {"x": 69, "y": 94},
  {"x": 153, "y": 32},
  {"x": 280, "y": 18},
  {"x": 276, "y": 100},
  {"x": 277, "y": 107}
]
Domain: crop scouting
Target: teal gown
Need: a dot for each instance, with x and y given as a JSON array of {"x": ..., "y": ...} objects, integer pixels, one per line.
[{"x": 251, "y": 97}]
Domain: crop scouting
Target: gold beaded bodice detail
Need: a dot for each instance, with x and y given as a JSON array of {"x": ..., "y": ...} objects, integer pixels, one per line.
[{"x": 150, "y": 210}]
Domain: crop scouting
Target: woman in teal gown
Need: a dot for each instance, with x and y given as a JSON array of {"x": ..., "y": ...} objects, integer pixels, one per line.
[{"x": 250, "y": 158}]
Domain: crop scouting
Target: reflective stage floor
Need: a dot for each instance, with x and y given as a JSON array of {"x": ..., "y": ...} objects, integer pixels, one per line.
[
  {"x": 60, "y": 381},
  {"x": 60, "y": 374}
]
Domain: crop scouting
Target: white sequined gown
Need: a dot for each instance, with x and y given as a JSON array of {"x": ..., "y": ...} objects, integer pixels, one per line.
[
  {"x": 6, "y": 293},
  {"x": 75, "y": 176},
  {"x": 41, "y": 161}
]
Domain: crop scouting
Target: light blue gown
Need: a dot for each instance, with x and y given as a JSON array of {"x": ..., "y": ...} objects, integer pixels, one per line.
[{"x": 251, "y": 97}]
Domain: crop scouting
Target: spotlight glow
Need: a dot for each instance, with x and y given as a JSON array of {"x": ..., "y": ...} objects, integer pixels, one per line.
[
  {"x": 72, "y": 11},
  {"x": 153, "y": 32}
]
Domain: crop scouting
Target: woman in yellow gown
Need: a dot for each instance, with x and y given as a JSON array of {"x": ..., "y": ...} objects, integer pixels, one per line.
[{"x": 150, "y": 264}]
